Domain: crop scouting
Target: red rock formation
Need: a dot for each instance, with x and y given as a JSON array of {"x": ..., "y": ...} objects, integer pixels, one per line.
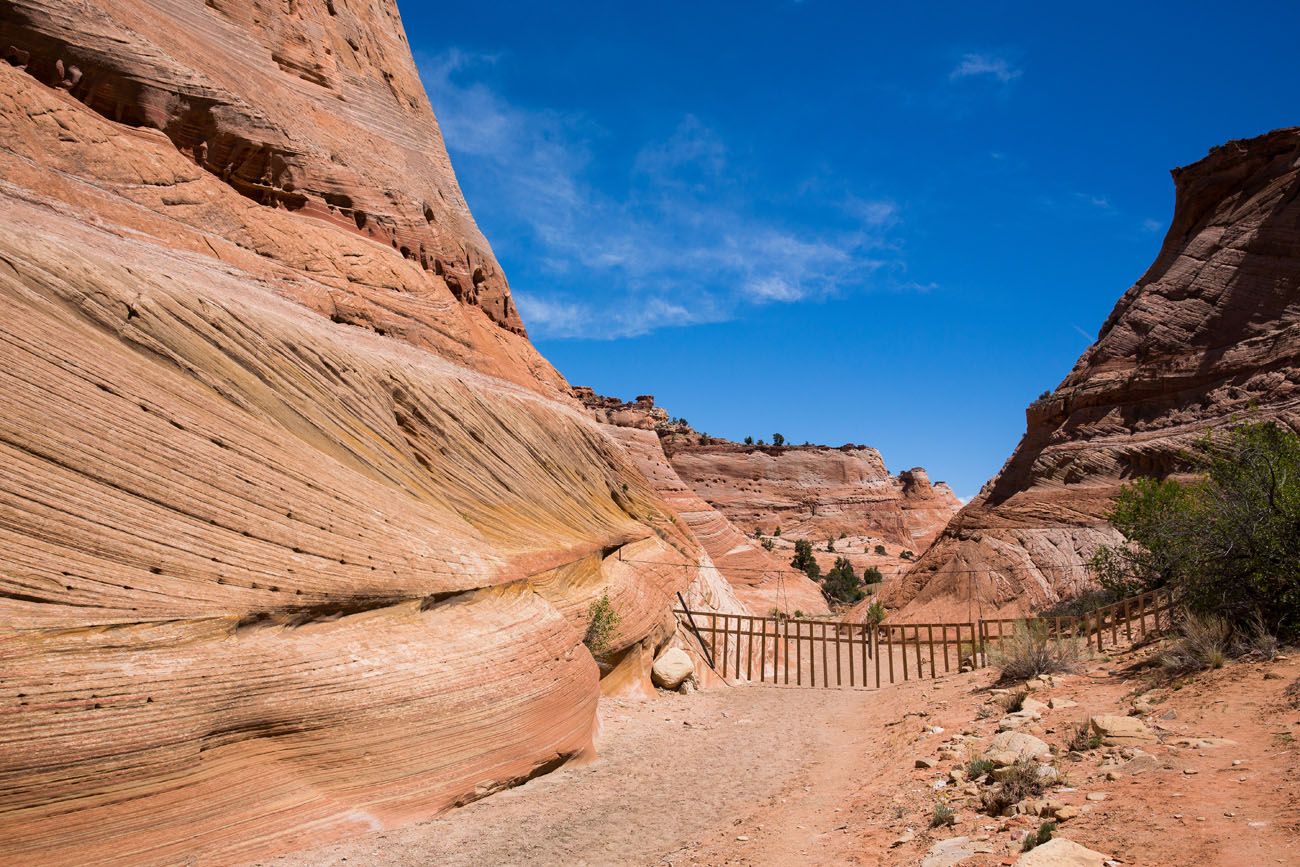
[
  {"x": 814, "y": 492},
  {"x": 761, "y": 581},
  {"x": 297, "y": 530},
  {"x": 1208, "y": 337}
]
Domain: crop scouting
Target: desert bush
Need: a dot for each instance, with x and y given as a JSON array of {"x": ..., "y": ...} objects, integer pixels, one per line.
[
  {"x": 1013, "y": 701},
  {"x": 1083, "y": 738},
  {"x": 1085, "y": 603},
  {"x": 778, "y": 439},
  {"x": 875, "y": 613},
  {"x": 872, "y": 575},
  {"x": 1031, "y": 651},
  {"x": 977, "y": 768},
  {"x": 906, "y": 555},
  {"x": 1037, "y": 838},
  {"x": 1021, "y": 781},
  {"x": 1227, "y": 544},
  {"x": 1258, "y": 642},
  {"x": 1202, "y": 643},
  {"x": 798, "y": 614},
  {"x": 776, "y": 532},
  {"x": 602, "y": 620},
  {"x": 804, "y": 560},
  {"x": 880, "y": 550},
  {"x": 767, "y": 544},
  {"x": 942, "y": 815},
  {"x": 842, "y": 584}
]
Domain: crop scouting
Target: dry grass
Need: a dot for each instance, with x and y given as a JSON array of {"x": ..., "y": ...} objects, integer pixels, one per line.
[
  {"x": 1202, "y": 643},
  {"x": 1014, "y": 701},
  {"x": 1022, "y": 781},
  {"x": 1031, "y": 651},
  {"x": 1084, "y": 738}
]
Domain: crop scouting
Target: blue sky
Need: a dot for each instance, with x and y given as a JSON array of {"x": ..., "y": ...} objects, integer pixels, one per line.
[{"x": 891, "y": 224}]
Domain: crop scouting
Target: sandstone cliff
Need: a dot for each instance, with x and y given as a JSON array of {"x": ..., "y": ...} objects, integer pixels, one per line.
[
  {"x": 298, "y": 530},
  {"x": 814, "y": 492},
  {"x": 760, "y": 579},
  {"x": 1208, "y": 337}
]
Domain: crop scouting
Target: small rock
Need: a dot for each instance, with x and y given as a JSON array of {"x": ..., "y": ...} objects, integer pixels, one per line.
[
  {"x": 1190, "y": 771},
  {"x": 1023, "y": 745},
  {"x": 1059, "y": 703},
  {"x": 1064, "y": 814},
  {"x": 906, "y": 837},
  {"x": 1096, "y": 796},
  {"x": 925, "y": 763},
  {"x": 742, "y": 839},
  {"x": 1121, "y": 730}
]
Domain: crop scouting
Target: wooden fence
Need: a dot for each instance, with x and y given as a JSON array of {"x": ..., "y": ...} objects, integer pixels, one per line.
[{"x": 829, "y": 653}]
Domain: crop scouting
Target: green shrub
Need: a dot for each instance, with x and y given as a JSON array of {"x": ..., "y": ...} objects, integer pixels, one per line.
[
  {"x": 767, "y": 544},
  {"x": 805, "y": 561},
  {"x": 841, "y": 583},
  {"x": 778, "y": 439},
  {"x": 977, "y": 768},
  {"x": 875, "y": 613},
  {"x": 1031, "y": 651},
  {"x": 1228, "y": 544},
  {"x": 602, "y": 620},
  {"x": 880, "y": 550},
  {"x": 942, "y": 815},
  {"x": 749, "y": 441},
  {"x": 872, "y": 575},
  {"x": 776, "y": 532},
  {"x": 1037, "y": 838},
  {"x": 906, "y": 555}
]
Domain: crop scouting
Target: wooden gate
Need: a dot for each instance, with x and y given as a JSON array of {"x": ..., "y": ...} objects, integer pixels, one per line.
[{"x": 829, "y": 653}]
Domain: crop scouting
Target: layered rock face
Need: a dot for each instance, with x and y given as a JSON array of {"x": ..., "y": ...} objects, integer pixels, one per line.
[
  {"x": 761, "y": 580},
  {"x": 1207, "y": 338},
  {"x": 814, "y": 492},
  {"x": 297, "y": 530}
]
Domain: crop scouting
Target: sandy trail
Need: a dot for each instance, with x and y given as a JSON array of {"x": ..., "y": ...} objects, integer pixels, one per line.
[{"x": 676, "y": 774}]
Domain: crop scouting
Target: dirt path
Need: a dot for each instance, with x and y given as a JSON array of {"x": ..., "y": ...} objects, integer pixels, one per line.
[{"x": 676, "y": 774}]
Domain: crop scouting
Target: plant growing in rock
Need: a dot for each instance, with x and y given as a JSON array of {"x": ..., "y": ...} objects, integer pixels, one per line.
[
  {"x": 880, "y": 550},
  {"x": 804, "y": 560},
  {"x": 978, "y": 767},
  {"x": 1037, "y": 838},
  {"x": 776, "y": 532},
  {"x": 602, "y": 620},
  {"x": 767, "y": 544},
  {"x": 906, "y": 555},
  {"x": 1031, "y": 650},
  {"x": 872, "y": 575},
  {"x": 830, "y": 546},
  {"x": 1013, "y": 701},
  {"x": 875, "y": 613}
]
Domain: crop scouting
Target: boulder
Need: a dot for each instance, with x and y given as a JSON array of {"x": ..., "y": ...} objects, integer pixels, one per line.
[
  {"x": 1023, "y": 745},
  {"x": 1121, "y": 730},
  {"x": 672, "y": 668},
  {"x": 1060, "y": 852}
]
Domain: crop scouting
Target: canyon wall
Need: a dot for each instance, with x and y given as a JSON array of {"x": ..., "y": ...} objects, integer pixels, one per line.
[
  {"x": 1209, "y": 337},
  {"x": 761, "y": 580},
  {"x": 814, "y": 492},
  {"x": 297, "y": 530}
]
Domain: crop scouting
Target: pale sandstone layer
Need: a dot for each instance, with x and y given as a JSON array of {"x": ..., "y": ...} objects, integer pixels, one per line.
[
  {"x": 1209, "y": 337},
  {"x": 297, "y": 532}
]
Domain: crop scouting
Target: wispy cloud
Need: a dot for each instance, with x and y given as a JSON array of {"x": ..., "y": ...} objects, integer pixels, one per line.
[
  {"x": 984, "y": 66},
  {"x": 1151, "y": 226},
  {"x": 677, "y": 237}
]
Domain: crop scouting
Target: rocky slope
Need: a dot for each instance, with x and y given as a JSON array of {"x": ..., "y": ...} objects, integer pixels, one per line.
[
  {"x": 761, "y": 579},
  {"x": 297, "y": 530},
  {"x": 1208, "y": 337}
]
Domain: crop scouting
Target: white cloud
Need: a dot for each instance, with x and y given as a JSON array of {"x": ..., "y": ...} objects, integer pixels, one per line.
[
  {"x": 679, "y": 239},
  {"x": 984, "y": 66},
  {"x": 1151, "y": 226}
]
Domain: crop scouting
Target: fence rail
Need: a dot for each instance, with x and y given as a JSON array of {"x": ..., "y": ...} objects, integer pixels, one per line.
[{"x": 828, "y": 653}]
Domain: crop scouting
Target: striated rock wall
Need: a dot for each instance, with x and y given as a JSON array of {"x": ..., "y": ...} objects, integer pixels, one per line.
[
  {"x": 814, "y": 492},
  {"x": 760, "y": 579},
  {"x": 296, "y": 537},
  {"x": 1207, "y": 338}
]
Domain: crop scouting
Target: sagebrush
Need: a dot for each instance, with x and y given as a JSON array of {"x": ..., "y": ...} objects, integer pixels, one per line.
[
  {"x": 1032, "y": 650},
  {"x": 602, "y": 621}
]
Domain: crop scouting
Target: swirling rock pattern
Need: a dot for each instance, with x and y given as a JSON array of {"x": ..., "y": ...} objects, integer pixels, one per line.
[
  {"x": 297, "y": 532},
  {"x": 1209, "y": 337}
]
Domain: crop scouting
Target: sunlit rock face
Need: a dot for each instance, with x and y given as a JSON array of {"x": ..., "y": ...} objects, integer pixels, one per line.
[
  {"x": 814, "y": 492},
  {"x": 1208, "y": 338},
  {"x": 298, "y": 532}
]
